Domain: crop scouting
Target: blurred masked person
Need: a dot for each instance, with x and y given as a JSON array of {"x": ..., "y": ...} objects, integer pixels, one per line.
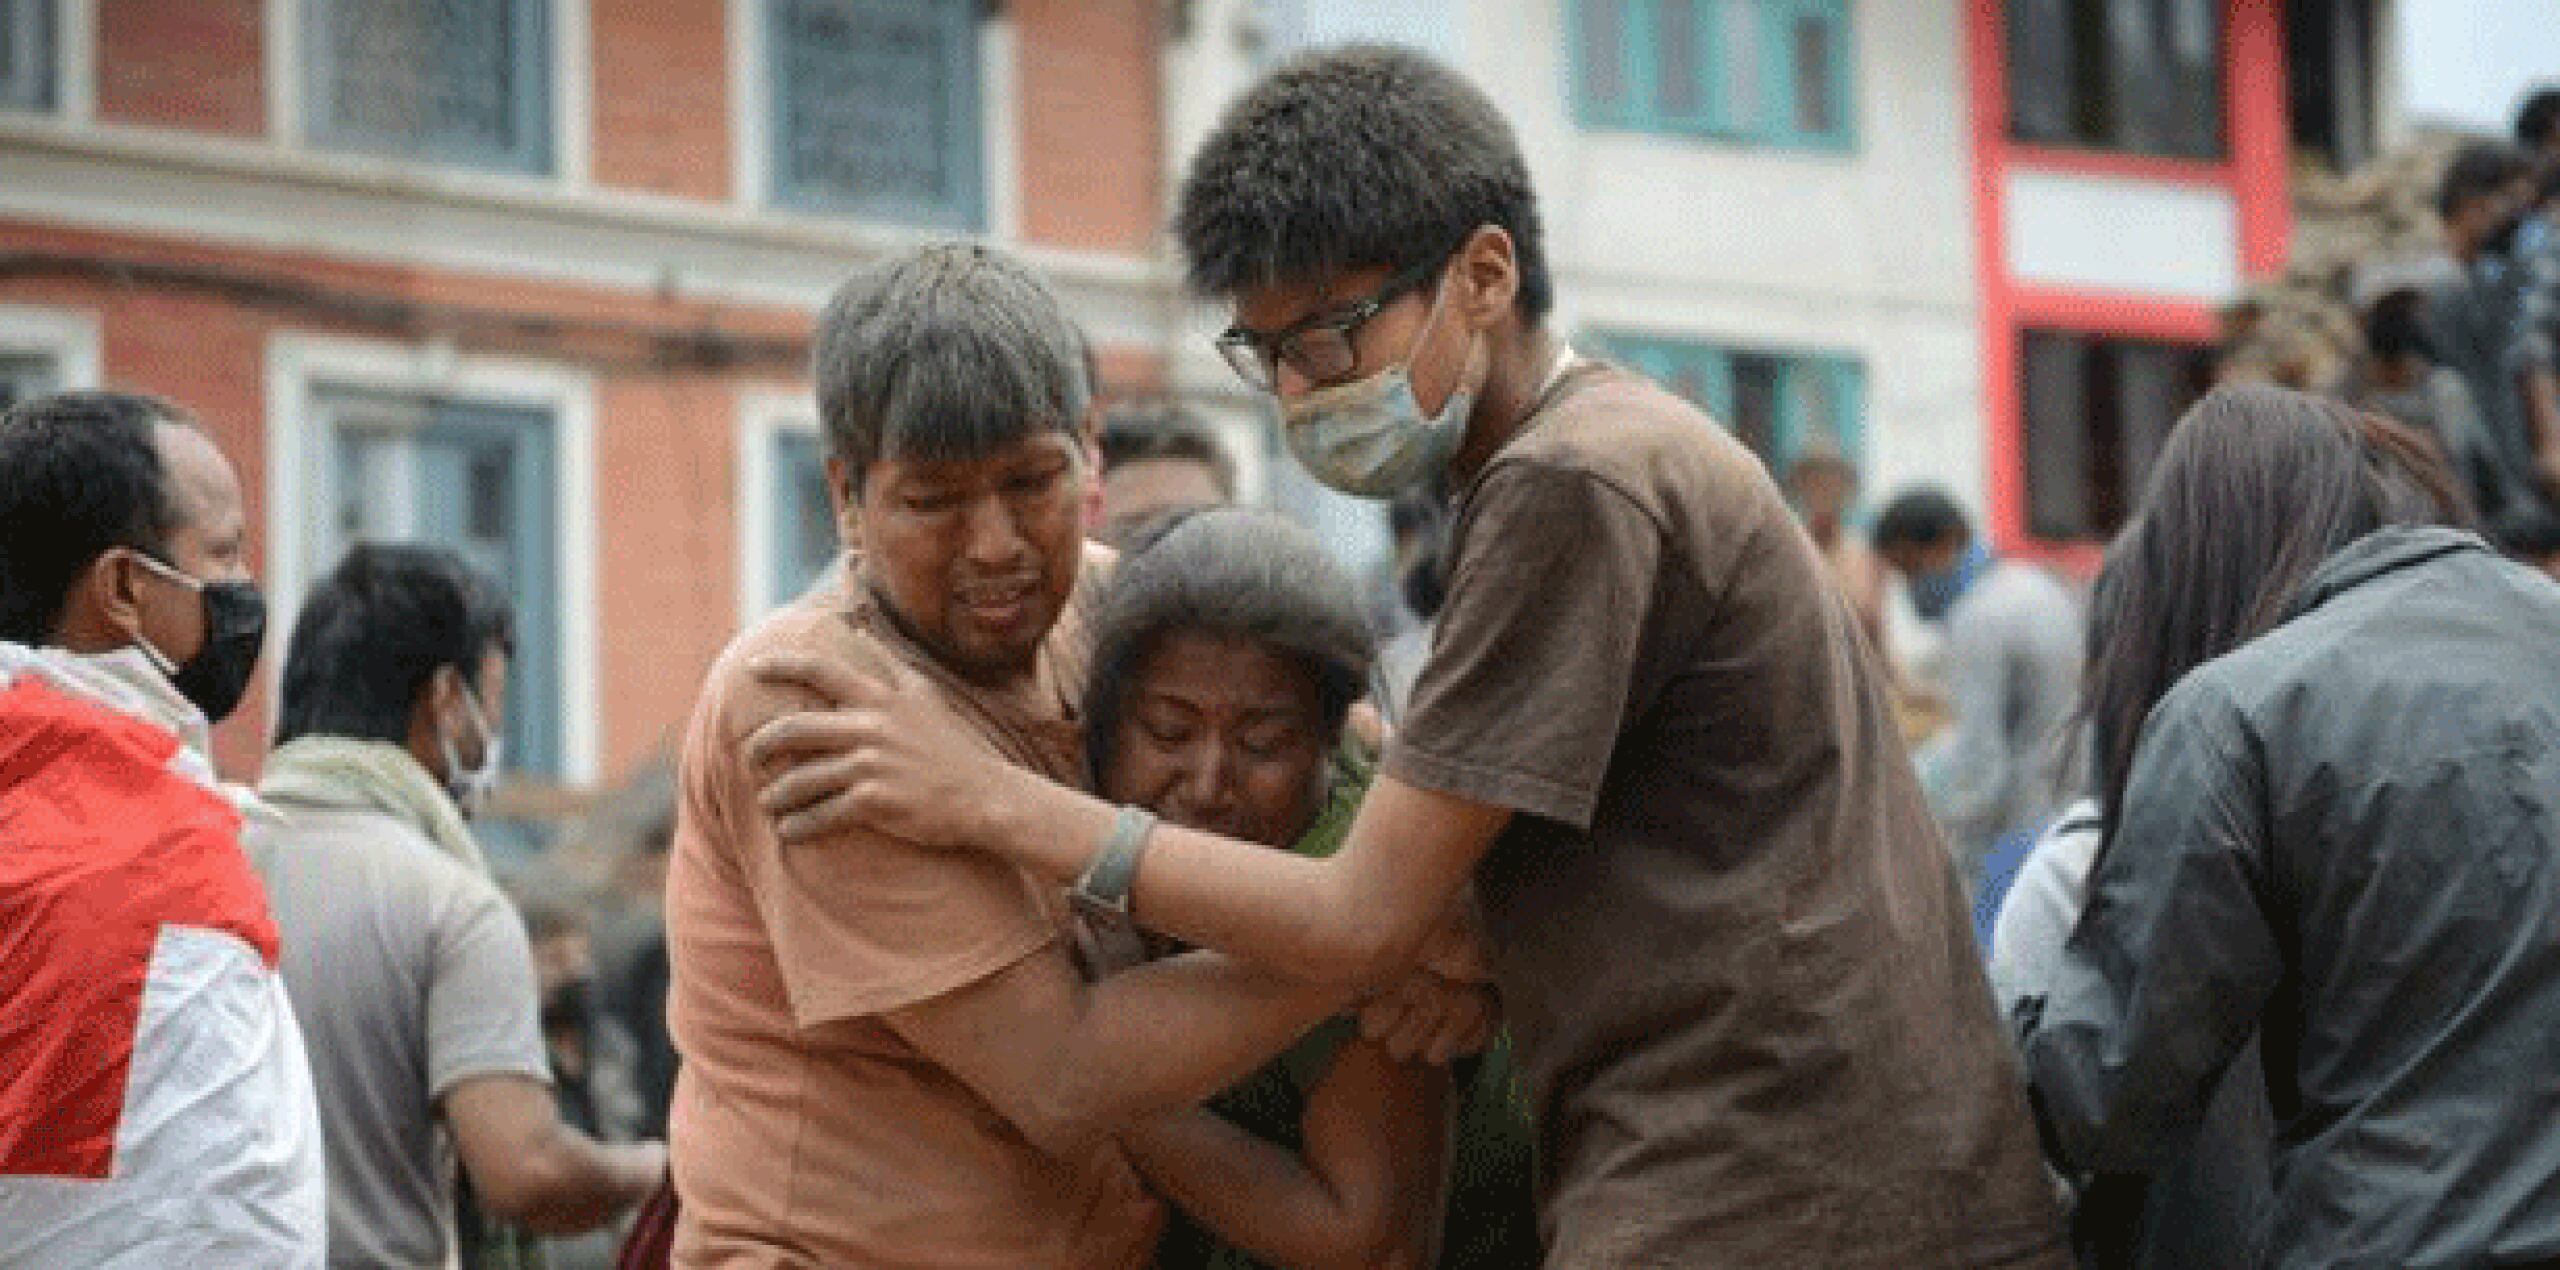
[
  {"x": 1824, "y": 485},
  {"x": 410, "y": 972},
  {"x": 2012, "y": 635},
  {"x": 1158, "y": 459}
]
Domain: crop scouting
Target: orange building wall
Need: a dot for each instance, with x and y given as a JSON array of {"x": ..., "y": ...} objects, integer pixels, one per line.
[
  {"x": 665, "y": 480},
  {"x": 667, "y": 530},
  {"x": 191, "y": 64},
  {"x": 1091, "y": 130},
  {"x": 661, "y": 96},
  {"x": 667, "y": 552},
  {"x": 666, "y": 511}
]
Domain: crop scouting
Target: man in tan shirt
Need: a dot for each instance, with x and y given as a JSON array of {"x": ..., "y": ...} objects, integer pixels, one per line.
[{"x": 890, "y": 1057}]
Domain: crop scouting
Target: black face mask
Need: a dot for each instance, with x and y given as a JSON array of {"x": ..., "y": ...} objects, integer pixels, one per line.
[{"x": 235, "y": 628}]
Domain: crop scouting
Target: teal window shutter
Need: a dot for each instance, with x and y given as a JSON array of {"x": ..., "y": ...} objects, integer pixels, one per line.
[
  {"x": 26, "y": 55},
  {"x": 464, "y": 82},
  {"x": 24, "y": 375},
  {"x": 1849, "y": 398},
  {"x": 1679, "y": 51},
  {"x": 1775, "y": 402},
  {"x": 1806, "y": 59},
  {"x": 1601, "y": 86},
  {"x": 1755, "y": 72},
  {"x": 805, "y": 540},
  {"x": 875, "y": 109}
]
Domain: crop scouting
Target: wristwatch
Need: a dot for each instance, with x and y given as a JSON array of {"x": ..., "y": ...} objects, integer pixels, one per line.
[{"x": 1102, "y": 893}]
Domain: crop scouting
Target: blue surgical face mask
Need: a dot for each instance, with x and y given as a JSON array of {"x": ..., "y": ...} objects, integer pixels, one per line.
[
  {"x": 1934, "y": 595},
  {"x": 1369, "y": 437}
]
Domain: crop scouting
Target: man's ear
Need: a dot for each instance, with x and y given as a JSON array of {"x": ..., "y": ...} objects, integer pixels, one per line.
[
  {"x": 844, "y": 498},
  {"x": 1489, "y": 265},
  {"x": 112, "y": 588}
]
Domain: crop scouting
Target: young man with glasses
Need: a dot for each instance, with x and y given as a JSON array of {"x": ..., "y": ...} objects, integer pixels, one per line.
[{"x": 1736, "y": 962}]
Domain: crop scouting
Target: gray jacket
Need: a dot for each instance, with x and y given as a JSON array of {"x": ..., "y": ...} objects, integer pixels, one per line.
[
  {"x": 2014, "y": 650},
  {"x": 2346, "y": 832}
]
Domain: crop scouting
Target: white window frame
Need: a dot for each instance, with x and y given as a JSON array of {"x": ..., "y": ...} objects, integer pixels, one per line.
[
  {"x": 572, "y": 98},
  {"x": 301, "y": 369},
  {"x": 764, "y": 414},
  {"x": 71, "y": 337},
  {"x": 751, "y": 116}
]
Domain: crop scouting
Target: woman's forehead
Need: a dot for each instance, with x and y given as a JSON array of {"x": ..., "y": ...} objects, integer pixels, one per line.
[{"x": 1226, "y": 664}]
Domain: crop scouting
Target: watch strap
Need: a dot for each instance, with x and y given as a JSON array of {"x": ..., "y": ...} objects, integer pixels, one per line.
[{"x": 1107, "y": 879}]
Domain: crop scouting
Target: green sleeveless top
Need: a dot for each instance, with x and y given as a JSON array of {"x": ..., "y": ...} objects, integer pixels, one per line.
[{"x": 1492, "y": 1220}]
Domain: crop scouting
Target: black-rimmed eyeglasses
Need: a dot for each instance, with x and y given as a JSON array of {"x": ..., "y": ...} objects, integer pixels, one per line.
[{"x": 1322, "y": 348}]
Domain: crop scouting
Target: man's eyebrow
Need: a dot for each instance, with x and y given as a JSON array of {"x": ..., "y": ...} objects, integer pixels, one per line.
[{"x": 1327, "y": 309}]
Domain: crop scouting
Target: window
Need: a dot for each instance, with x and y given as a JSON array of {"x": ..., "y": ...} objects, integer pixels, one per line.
[
  {"x": 875, "y": 108},
  {"x": 1767, "y": 72},
  {"x": 805, "y": 540},
  {"x": 1772, "y": 402},
  {"x": 2141, "y": 76},
  {"x": 2096, "y": 411},
  {"x": 466, "y": 82},
  {"x": 2329, "y": 74},
  {"x": 26, "y": 54},
  {"x": 24, "y": 375},
  {"x": 474, "y": 476}
]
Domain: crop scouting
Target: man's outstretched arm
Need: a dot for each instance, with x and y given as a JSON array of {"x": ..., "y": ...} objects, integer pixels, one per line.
[{"x": 1353, "y": 921}]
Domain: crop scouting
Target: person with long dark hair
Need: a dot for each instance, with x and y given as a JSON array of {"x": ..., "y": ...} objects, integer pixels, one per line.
[
  {"x": 2329, "y": 754},
  {"x": 2207, "y": 1211}
]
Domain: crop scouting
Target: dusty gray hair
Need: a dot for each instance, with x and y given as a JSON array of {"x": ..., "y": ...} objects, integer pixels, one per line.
[
  {"x": 1229, "y": 571},
  {"x": 949, "y": 351}
]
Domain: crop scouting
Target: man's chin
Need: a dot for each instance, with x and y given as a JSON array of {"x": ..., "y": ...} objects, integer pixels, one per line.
[{"x": 984, "y": 658}]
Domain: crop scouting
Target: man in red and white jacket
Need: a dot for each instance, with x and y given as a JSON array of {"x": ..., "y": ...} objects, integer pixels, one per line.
[{"x": 156, "y": 1107}]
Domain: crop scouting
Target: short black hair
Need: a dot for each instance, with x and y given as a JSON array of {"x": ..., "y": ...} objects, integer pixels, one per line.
[
  {"x": 1233, "y": 571},
  {"x": 1141, "y": 432},
  {"x": 949, "y": 351},
  {"x": 373, "y": 631},
  {"x": 80, "y": 474},
  {"x": 1356, "y": 157},
  {"x": 2538, "y": 117},
  {"x": 2478, "y": 170},
  {"x": 1923, "y": 517}
]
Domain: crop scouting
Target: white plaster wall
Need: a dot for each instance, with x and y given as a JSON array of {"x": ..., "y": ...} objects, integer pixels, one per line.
[
  {"x": 2105, "y": 233},
  {"x": 1868, "y": 252}
]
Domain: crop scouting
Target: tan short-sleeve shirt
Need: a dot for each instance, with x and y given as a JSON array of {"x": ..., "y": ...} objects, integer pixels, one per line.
[{"x": 806, "y": 1131}]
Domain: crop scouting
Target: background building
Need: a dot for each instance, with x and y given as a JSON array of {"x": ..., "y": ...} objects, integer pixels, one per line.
[{"x": 536, "y": 277}]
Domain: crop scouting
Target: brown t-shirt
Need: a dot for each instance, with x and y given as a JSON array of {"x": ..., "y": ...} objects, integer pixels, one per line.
[
  {"x": 1746, "y": 1000},
  {"x": 806, "y": 1131}
]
